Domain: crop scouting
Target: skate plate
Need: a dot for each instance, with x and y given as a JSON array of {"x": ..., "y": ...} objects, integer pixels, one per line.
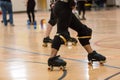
[
  {"x": 46, "y": 41},
  {"x": 100, "y": 62},
  {"x": 73, "y": 41},
  {"x": 50, "y": 68},
  {"x": 45, "y": 44}
]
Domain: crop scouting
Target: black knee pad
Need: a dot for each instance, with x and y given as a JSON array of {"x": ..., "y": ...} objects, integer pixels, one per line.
[
  {"x": 85, "y": 36},
  {"x": 57, "y": 41},
  {"x": 84, "y": 41},
  {"x": 60, "y": 39}
]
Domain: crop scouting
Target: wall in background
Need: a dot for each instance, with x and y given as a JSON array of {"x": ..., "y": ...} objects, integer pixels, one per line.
[
  {"x": 117, "y": 3},
  {"x": 42, "y": 5},
  {"x": 20, "y": 5}
]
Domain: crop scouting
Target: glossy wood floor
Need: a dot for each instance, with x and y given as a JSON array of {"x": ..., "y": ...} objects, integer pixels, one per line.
[{"x": 22, "y": 56}]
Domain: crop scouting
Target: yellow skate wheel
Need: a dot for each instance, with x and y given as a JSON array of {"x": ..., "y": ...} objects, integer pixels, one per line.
[
  {"x": 50, "y": 68},
  {"x": 44, "y": 45},
  {"x": 90, "y": 63},
  {"x": 101, "y": 62},
  {"x": 74, "y": 44},
  {"x": 62, "y": 68}
]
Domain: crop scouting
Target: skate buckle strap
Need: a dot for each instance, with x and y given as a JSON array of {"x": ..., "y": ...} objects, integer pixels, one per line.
[
  {"x": 65, "y": 41},
  {"x": 63, "y": 0}
]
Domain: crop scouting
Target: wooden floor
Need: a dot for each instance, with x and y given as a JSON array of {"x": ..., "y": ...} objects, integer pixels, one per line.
[{"x": 22, "y": 56}]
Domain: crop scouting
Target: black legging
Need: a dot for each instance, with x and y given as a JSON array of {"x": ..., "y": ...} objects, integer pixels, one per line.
[
  {"x": 53, "y": 19},
  {"x": 65, "y": 19},
  {"x": 81, "y": 7},
  {"x": 30, "y": 10},
  {"x": 63, "y": 13}
]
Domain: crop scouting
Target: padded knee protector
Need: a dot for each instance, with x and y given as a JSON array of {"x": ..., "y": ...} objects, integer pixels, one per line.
[
  {"x": 84, "y": 41},
  {"x": 85, "y": 36},
  {"x": 57, "y": 41}
]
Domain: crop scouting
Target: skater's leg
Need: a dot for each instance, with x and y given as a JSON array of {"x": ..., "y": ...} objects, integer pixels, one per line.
[
  {"x": 53, "y": 52},
  {"x": 47, "y": 39},
  {"x": 84, "y": 34},
  {"x": 83, "y": 10},
  {"x": 33, "y": 16},
  {"x": 52, "y": 22},
  {"x": 88, "y": 48},
  {"x": 48, "y": 30},
  {"x": 63, "y": 12},
  {"x": 79, "y": 7},
  {"x": 10, "y": 12},
  {"x": 4, "y": 13},
  {"x": 33, "y": 12},
  {"x": 29, "y": 16},
  {"x": 54, "y": 60},
  {"x": 92, "y": 55}
]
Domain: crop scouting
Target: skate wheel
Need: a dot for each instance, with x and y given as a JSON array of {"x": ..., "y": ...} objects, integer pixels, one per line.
[
  {"x": 102, "y": 62},
  {"x": 74, "y": 44},
  {"x": 45, "y": 45},
  {"x": 50, "y": 68},
  {"x": 62, "y": 68},
  {"x": 66, "y": 44},
  {"x": 90, "y": 63}
]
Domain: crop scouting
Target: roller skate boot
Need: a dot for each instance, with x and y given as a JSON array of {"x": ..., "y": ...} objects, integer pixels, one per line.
[
  {"x": 94, "y": 56},
  {"x": 56, "y": 62},
  {"x": 73, "y": 41},
  {"x": 34, "y": 24},
  {"x": 28, "y": 22},
  {"x": 46, "y": 40}
]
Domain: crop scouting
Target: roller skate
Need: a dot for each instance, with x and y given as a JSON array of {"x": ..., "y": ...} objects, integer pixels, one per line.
[
  {"x": 35, "y": 24},
  {"x": 46, "y": 40},
  {"x": 94, "y": 56},
  {"x": 28, "y": 22},
  {"x": 73, "y": 41},
  {"x": 56, "y": 62}
]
